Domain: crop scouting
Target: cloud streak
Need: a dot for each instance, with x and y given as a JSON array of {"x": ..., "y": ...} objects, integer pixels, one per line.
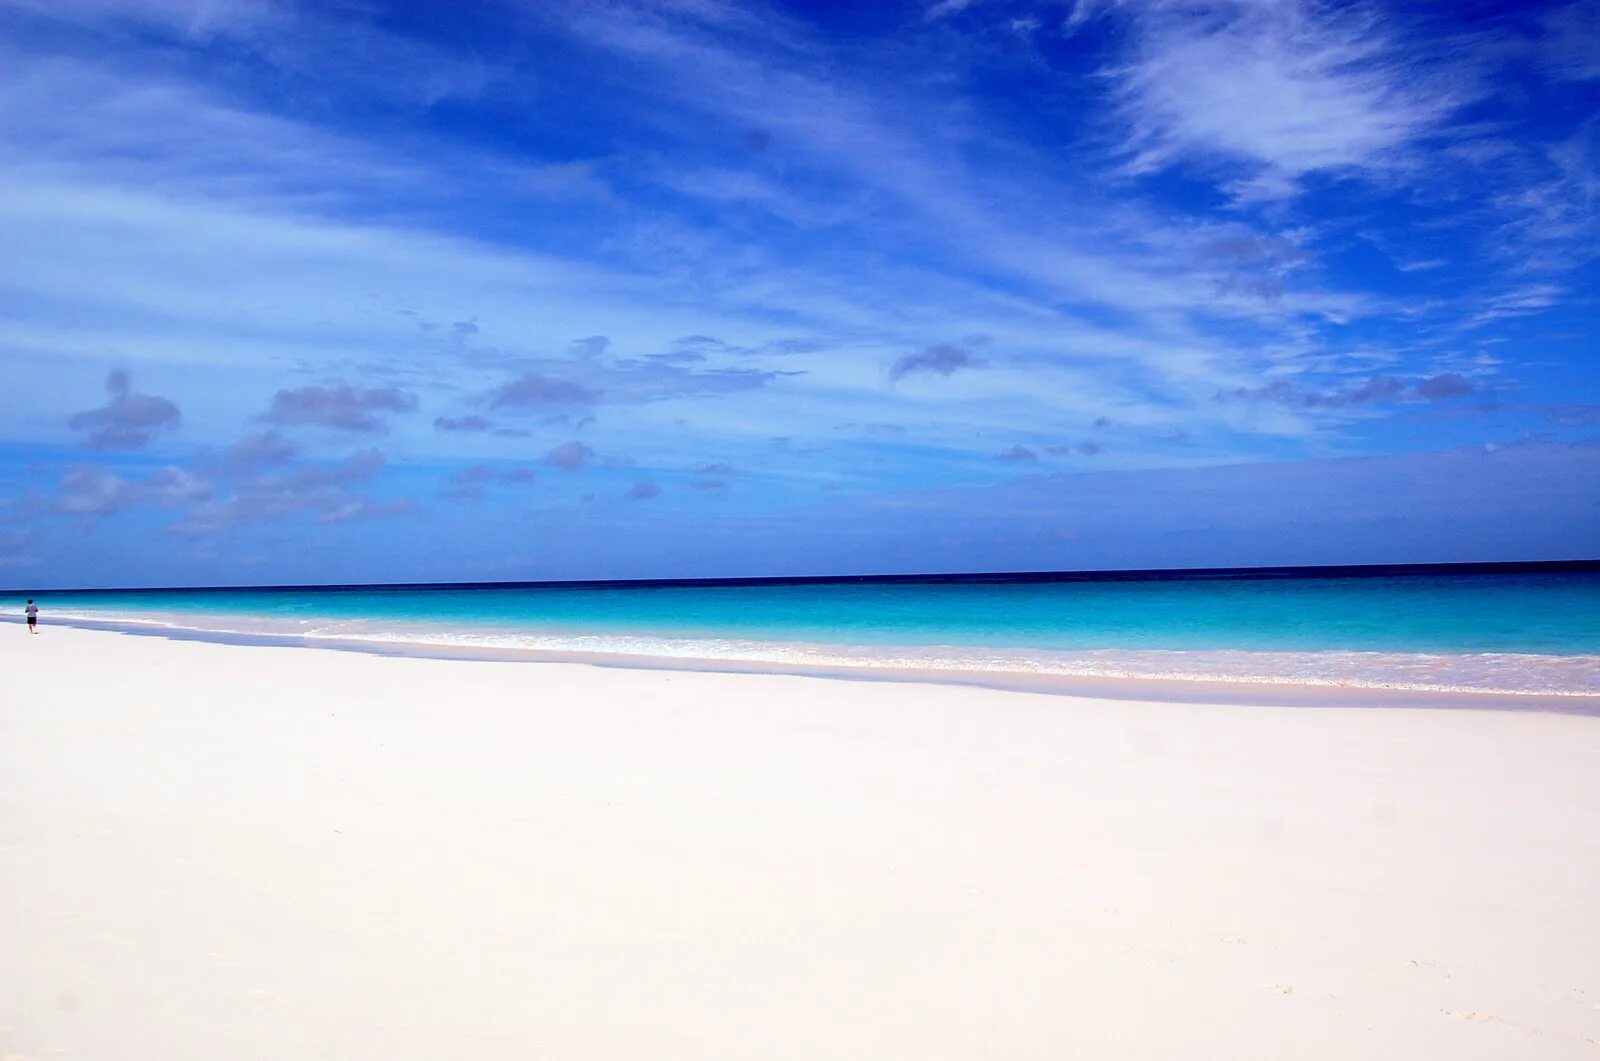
[{"x": 1377, "y": 390}]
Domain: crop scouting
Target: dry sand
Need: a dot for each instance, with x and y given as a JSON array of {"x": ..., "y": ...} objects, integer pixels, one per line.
[{"x": 229, "y": 853}]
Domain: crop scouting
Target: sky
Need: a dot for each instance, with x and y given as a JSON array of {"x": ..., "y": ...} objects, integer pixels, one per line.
[{"x": 343, "y": 292}]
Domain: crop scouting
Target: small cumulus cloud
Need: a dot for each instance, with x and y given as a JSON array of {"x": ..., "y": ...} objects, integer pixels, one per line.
[
  {"x": 1018, "y": 455},
  {"x": 462, "y": 423},
  {"x": 1081, "y": 449},
  {"x": 358, "y": 467},
  {"x": 340, "y": 406},
  {"x": 94, "y": 492},
  {"x": 172, "y": 486},
  {"x": 1444, "y": 386},
  {"x": 942, "y": 359},
  {"x": 642, "y": 492},
  {"x": 255, "y": 452},
  {"x": 128, "y": 420},
  {"x": 90, "y": 491},
  {"x": 571, "y": 456},
  {"x": 533, "y": 390},
  {"x": 325, "y": 492}
]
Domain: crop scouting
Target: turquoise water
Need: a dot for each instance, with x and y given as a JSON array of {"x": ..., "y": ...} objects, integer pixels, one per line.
[
  {"x": 1265, "y": 626},
  {"x": 1543, "y": 613}
]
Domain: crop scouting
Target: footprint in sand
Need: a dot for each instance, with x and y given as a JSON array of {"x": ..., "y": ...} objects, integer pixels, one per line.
[
  {"x": 1282, "y": 989},
  {"x": 1476, "y": 1016}
]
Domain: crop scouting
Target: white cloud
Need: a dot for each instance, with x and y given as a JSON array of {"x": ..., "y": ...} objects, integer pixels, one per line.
[
  {"x": 91, "y": 491},
  {"x": 1280, "y": 88},
  {"x": 1061, "y": 238},
  {"x": 1550, "y": 218},
  {"x": 1517, "y": 302},
  {"x": 185, "y": 227}
]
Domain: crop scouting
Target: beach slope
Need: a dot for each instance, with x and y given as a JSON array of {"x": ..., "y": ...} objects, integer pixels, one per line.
[{"x": 214, "y": 851}]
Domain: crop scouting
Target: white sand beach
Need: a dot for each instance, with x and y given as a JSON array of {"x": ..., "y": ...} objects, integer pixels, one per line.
[{"x": 223, "y": 852}]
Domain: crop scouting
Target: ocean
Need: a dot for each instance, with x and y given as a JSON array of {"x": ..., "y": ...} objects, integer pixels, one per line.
[{"x": 1512, "y": 631}]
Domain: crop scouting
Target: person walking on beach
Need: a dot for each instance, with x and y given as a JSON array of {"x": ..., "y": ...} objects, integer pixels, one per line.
[{"x": 32, "y": 611}]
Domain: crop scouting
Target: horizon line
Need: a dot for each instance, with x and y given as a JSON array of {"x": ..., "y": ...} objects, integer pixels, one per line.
[{"x": 1091, "y": 575}]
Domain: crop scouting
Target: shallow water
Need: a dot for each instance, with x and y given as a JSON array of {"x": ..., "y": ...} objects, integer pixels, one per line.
[{"x": 1523, "y": 632}]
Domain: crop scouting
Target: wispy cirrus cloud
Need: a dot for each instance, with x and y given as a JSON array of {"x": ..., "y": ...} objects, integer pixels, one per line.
[
  {"x": 1516, "y": 302},
  {"x": 748, "y": 224},
  {"x": 1280, "y": 91},
  {"x": 1567, "y": 48}
]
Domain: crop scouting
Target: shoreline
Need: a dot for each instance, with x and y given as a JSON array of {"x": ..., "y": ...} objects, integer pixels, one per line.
[{"x": 1253, "y": 691}]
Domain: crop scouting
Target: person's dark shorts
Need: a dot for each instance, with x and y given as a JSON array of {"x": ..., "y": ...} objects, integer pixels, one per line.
[{"x": 33, "y": 620}]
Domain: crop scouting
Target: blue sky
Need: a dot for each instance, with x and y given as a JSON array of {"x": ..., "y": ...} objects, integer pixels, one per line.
[{"x": 345, "y": 292}]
